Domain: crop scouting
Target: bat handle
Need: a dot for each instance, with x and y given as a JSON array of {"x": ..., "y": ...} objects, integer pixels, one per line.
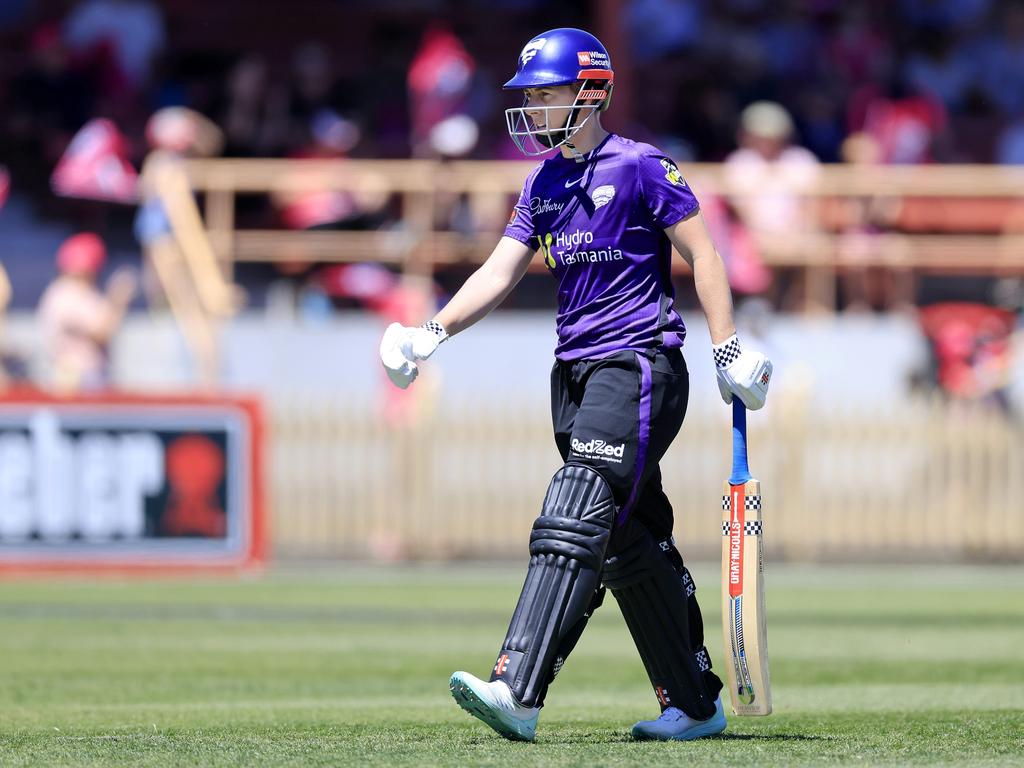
[{"x": 740, "y": 468}]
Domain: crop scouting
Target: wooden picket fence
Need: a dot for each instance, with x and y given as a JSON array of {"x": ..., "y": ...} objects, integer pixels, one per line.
[{"x": 922, "y": 480}]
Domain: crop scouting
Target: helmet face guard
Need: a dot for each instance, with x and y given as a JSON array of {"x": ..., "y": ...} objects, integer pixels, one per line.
[
  {"x": 559, "y": 57},
  {"x": 533, "y": 141}
]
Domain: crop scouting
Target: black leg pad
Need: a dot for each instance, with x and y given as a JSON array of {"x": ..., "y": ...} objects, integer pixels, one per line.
[
  {"x": 655, "y": 593},
  {"x": 562, "y": 588}
]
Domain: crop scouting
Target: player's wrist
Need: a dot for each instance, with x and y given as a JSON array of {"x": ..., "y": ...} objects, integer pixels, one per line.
[
  {"x": 727, "y": 352},
  {"x": 437, "y": 329}
]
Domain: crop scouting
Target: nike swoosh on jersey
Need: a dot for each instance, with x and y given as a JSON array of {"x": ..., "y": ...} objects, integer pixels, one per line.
[{"x": 573, "y": 183}]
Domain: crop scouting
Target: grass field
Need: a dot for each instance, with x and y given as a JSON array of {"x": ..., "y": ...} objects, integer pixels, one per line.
[{"x": 349, "y": 666}]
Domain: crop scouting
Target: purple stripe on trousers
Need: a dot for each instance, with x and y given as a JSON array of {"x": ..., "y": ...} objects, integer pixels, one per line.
[{"x": 644, "y": 435}]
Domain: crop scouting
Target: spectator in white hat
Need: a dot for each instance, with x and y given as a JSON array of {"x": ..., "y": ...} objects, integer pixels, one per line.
[{"x": 768, "y": 179}]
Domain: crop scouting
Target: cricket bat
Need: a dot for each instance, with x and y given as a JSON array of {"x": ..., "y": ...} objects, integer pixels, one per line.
[{"x": 743, "y": 619}]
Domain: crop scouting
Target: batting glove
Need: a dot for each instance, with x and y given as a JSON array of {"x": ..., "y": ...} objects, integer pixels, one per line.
[
  {"x": 401, "y": 347},
  {"x": 742, "y": 372}
]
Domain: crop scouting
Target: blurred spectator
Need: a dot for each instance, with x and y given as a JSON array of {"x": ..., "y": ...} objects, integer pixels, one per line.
[
  {"x": 768, "y": 164},
  {"x": 450, "y": 139},
  {"x": 942, "y": 15},
  {"x": 130, "y": 31},
  {"x": 971, "y": 348},
  {"x": 8, "y": 362},
  {"x": 857, "y": 50},
  {"x": 319, "y": 105},
  {"x": 183, "y": 133},
  {"x": 664, "y": 27},
  {"x": 13, "y": 365},
  {"x": 1003, "y": 61},
  {"x": 49, "y": 99},
  {"x": 14, "y": 12},
  {"x": 318, "y": 128},
  {"x": 1010, "y": 150},
  {"x": 747, "y": 273},
  {"x": 819, "y": 115},
  {"x": 440, "y": 79},
  {"x": 940, "y": 69},
  {"x": 79, "y": 320},
  {"x": 5, "y": 299},
  {"x": 454, "y": 136},
  {"x": 709, "y": 122},
  {"x": 252, "y": 128},
  {"x": 768, "y": 180},
  {"x": 168, "y": 225},
  {"x": 791, "y": 43},
  {"x": 905, "y": 124},
  {"x": 860, "y": 219}
]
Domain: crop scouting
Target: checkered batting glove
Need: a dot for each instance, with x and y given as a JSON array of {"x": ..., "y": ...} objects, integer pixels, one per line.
[
  {"x": 743, "y": 373},
  {"x": 401, "y": 347}
]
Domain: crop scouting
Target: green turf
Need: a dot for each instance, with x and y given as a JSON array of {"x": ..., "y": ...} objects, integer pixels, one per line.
[{"x": 349, "y": 666}]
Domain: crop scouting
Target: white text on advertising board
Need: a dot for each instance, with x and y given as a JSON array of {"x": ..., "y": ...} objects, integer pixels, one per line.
[{"x": 91, "y": 485}]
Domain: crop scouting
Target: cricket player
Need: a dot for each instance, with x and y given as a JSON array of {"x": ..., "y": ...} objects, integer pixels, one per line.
[{"x": 604, "y": 212}]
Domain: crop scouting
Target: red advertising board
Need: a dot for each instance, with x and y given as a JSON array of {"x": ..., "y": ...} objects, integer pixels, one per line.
[{"x": 119, "y": 482}]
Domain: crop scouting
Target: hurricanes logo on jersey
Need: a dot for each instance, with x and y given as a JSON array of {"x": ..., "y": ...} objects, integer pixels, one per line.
[
  {"x": 545, "y": 247},
  {"x": 602, "y": 195},
  {"x": 672, "y": 173}
]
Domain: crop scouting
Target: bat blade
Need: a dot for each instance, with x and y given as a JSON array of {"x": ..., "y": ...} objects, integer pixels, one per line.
[{"x": 744, "y": 628}]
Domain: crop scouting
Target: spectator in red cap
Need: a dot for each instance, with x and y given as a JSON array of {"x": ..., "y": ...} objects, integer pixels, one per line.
[{"x": 79, "y": 319}]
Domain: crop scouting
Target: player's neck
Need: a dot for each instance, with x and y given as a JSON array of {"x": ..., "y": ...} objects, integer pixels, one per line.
[{"x": 586, "y": 139}]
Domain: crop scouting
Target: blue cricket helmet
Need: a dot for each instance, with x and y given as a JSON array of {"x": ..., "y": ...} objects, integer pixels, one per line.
[
  {"x": 562, "y": 56},
  {"x": 559, "y": 57}
]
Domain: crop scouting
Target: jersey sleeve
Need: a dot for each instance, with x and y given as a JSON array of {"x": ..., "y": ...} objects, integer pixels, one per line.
[
  {"x": 664, "y": 191},
  {"x": 520, "y": 224}
]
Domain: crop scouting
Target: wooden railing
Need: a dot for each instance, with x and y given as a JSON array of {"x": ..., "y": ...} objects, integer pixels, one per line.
[
  {"x": 491, "y": 185},
  {"x": 924, "y": 480},
  {"x": 927, "y": 479},
  {"x": 953, "y": 220}
]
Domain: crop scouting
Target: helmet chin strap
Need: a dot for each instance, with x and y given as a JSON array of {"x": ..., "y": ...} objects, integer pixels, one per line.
[
  {"x": 548, "y": 137},
  {"x": 549, "y": 141},
  {"x": 578, "y": 156}
]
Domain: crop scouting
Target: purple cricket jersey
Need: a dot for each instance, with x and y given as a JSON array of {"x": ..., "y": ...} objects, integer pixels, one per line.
[{"x": 599, "y": 226}]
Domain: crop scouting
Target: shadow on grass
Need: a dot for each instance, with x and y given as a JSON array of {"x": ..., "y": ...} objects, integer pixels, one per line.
[
  {"x": 769, "y": 737},
  {"x": 603, "y": 737}
]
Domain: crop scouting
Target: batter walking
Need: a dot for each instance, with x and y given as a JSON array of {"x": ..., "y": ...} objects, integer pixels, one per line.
[{"x": 604, "y": 212}]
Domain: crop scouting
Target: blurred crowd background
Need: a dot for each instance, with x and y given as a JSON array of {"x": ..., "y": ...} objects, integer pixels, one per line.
[
  {"x": 104, "y": 102},
  {"x": 904, "y": 82},
  {"x": 352, "y": 77}
]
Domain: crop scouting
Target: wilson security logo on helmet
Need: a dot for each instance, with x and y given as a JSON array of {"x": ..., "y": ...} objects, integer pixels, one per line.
[{"x": 563, "y": 56}]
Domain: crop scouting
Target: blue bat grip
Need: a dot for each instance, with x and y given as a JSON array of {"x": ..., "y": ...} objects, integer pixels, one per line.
[{"x": 740, "y": 470}]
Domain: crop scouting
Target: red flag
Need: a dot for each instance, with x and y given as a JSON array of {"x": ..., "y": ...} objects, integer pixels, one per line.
[
  {"x": 95, "y": 166},
  {"x": 371, "y": 284}
]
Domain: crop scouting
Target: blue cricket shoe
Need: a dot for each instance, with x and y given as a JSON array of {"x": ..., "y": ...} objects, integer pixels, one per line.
[{"x": 676, "y": 725}]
